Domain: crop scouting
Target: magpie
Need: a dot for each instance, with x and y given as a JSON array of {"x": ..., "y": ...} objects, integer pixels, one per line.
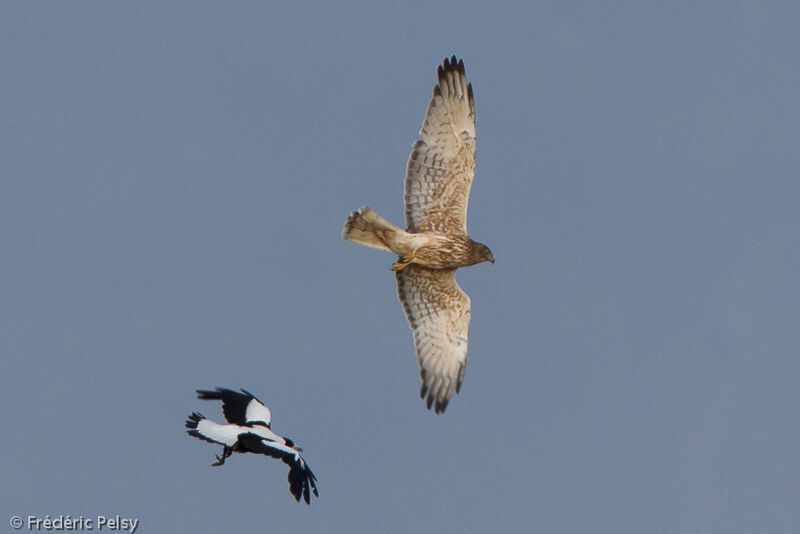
[{"x": 249, "y": 431}]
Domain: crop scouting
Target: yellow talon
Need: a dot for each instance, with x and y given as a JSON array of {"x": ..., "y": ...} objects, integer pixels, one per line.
[{"x": 402, "y": 263}]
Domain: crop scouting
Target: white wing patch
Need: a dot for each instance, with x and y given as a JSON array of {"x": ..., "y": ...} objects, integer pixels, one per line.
[
  {"x": 256, "y": 411},
  {"x": 223, "y": 434},
  {"x": 266, "y": 433}
]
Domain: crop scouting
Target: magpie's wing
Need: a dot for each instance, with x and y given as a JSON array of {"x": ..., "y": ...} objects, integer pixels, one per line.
[
  {"x": 239, "y": 408},
  {"x": 302, "y": 481},
  {"x": 206, "y": 429}
]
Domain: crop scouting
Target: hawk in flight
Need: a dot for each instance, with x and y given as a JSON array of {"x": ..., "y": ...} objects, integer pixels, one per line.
[{"x": 435, "y": 243}]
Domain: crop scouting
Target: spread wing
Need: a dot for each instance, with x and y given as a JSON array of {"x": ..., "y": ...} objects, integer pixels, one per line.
[
  {"x": 201, "y": 427},
  {"x": 438, "y": 312},
  {"x": 302, "y": 481},
  {"x": 442, "y": 163},
  {"x": 238, "y": 408}
]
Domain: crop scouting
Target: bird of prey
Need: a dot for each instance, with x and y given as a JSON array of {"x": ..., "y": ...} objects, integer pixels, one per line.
[
  {"x": 249, "y": 431},
  {"x": 435, "y": 243}
]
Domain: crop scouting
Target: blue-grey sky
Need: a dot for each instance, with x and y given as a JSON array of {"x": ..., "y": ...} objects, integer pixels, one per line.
[{"x": 173, "y": 182}]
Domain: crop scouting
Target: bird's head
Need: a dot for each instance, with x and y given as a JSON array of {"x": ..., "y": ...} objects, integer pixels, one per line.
[{"x": 481, "y": 253}]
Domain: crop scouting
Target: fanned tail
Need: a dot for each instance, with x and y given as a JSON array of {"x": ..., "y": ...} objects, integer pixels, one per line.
[{"x": 367, "y": 228}]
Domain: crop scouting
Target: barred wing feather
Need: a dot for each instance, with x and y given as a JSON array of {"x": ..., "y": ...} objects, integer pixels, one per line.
[
  {"x": 442, "y": 163},
  {"x": 438, "y": 313}
]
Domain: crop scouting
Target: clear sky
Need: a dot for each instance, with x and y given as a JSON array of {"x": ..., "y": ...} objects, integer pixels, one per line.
[{"x": 174, "y": 178}]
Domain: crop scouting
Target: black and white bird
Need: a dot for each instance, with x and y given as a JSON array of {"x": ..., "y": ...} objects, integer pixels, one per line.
[{"x": 249, "y": 431}]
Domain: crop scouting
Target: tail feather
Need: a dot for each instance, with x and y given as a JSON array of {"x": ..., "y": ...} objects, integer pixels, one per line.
[{"x": 367, "y": 228}]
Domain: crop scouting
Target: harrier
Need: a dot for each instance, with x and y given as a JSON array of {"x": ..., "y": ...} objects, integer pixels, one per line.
[
  {"x": 249, "y": 431},
  {"x": 435, "y": 243}
]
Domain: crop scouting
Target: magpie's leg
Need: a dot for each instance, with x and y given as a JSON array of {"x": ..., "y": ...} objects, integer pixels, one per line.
[{"x": 226, "y": 452}]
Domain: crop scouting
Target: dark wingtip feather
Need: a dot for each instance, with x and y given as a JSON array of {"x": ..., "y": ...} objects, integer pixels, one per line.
[
  {"x": 192, "y": 420},
  {"x": 302, "y": 482},
  {"x": 448, "y": 67},
  {"x": 452, "y": 63},
  {"x": 251, "y": 395},
  {"x": 205, "y": 394},
  {"x": 191, "y": 424}
]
